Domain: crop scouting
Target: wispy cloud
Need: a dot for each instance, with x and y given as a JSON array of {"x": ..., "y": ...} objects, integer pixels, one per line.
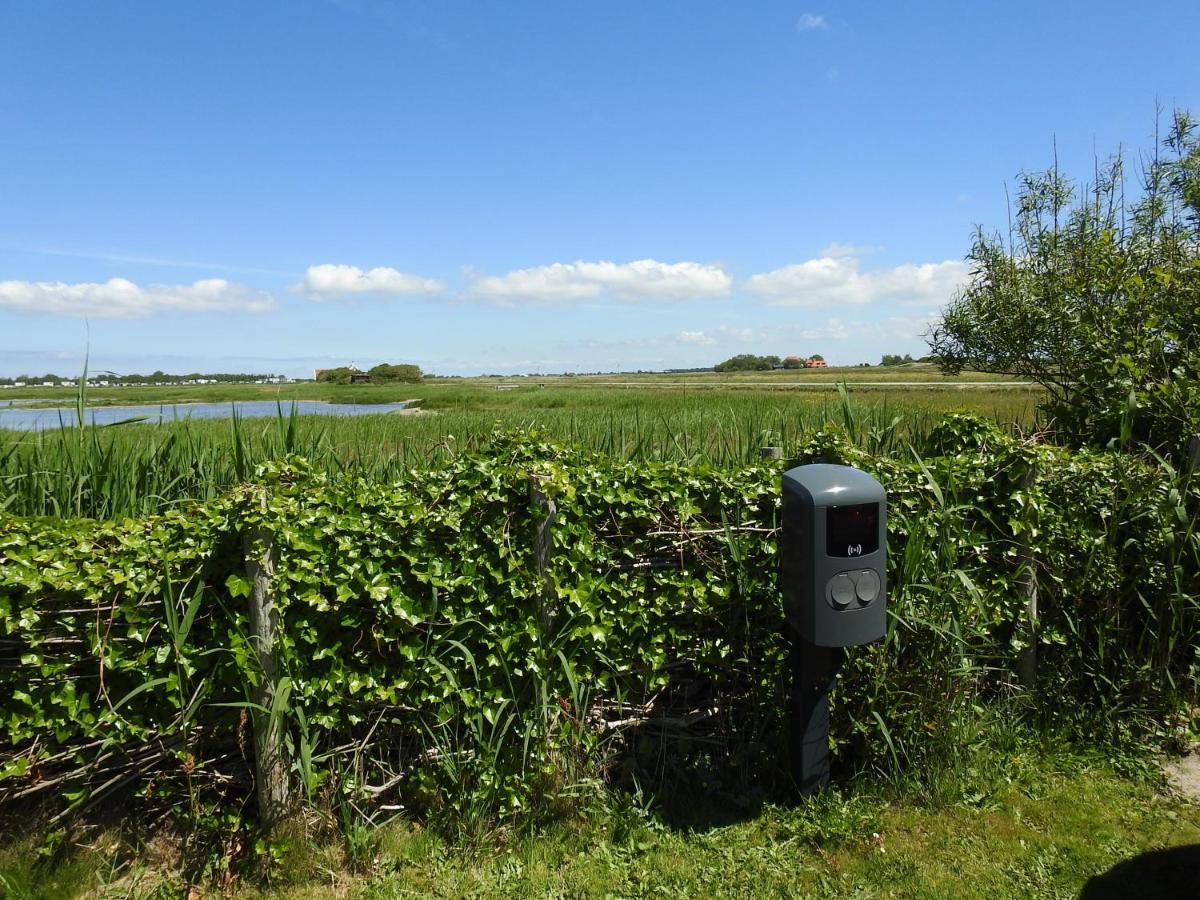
[
  {"x": 838, "y": 250},
  {"x": 738, "y": 333},
  {"x": 139, "y": 260},
  {"x": 901, "y": 328},
  {"x": 836, "y": 279},
  {"x": 119, "y": 298},
  {"x": 829, "y": 330},
  {"x": 773, "y": 335},
  {"x": 332, "y": 280},
  {"x": 811, "y": 22},
  {"x": 783, "y": 334},
  {"x": 695, "y": 337},
  {"x": 640, "y": 279}
]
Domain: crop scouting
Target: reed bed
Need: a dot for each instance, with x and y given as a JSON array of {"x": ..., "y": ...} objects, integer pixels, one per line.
[{"x": 139, "y": 469}]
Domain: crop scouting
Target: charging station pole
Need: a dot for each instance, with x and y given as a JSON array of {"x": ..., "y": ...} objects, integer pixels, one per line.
[
  {"x": 833, "y": 562},
  {"x": 813, "y": 672}
]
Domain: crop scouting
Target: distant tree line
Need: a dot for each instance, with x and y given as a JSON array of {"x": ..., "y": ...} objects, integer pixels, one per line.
[
  {"x": 384, "y": 373},
  {"x": 152, "y": 378},
  {"x": 748, "y": 362},
  {"x": 34, "y": 379}
]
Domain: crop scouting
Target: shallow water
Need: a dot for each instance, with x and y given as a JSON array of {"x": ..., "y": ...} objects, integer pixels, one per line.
[{"x": 20, "y": 419}]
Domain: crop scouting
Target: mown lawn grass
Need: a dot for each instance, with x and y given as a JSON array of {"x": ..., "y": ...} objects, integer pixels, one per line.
[{"x": 1048, "y": 826}]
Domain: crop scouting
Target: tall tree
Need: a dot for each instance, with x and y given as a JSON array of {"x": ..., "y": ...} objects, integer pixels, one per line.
[{"x": 1095, "y": 294}]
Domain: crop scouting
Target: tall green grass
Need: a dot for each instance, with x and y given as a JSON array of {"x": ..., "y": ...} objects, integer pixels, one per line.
[{"x": 137, "y": 469}]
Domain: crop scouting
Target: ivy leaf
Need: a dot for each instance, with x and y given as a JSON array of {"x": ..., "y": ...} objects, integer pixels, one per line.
[{"x": 237, "y": 585}]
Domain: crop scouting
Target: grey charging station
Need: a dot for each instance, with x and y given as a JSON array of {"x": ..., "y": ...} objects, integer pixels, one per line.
[{"x": 833, "y": 556}]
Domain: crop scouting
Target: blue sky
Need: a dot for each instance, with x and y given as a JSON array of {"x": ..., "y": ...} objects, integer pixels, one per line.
[{"x": 532, "y": 186}]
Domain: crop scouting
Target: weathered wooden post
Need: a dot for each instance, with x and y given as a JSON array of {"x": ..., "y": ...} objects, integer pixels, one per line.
[
  {"x": 270, "y": 764},
  {"x": 542, "y": 542},
  {"x": 1027, "y": 590}
]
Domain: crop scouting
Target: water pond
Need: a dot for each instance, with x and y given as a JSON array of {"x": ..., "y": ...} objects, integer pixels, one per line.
[{"x": 19, "y": 418}]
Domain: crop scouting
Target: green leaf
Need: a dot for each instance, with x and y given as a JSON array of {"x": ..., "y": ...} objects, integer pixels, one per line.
[{"x": 237, "y": 585}]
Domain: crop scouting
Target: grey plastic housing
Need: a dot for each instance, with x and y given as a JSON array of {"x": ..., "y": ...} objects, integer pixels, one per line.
[{"x": 834, "y": 535}]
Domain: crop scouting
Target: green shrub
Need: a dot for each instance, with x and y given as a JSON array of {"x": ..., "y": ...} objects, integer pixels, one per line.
[
  {"x": 429, "y": 665},
  {"x": 1095, "y": 297}
]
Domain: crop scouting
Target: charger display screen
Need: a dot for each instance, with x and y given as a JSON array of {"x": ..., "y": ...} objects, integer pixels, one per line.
[{"x": 852, "y": 531}]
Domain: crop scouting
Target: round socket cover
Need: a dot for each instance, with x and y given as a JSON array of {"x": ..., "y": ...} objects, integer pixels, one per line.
[
  {"x": 867, "y": 587},
  {"x": 841, "y": 591}
]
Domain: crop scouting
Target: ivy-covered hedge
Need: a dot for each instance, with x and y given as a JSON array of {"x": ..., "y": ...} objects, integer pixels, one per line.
[{"x": 427, "y": 658}]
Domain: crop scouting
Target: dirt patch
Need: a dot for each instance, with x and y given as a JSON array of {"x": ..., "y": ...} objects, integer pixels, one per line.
[
  {"x": 1183, "y": 774},
  {"x": 413, "y": 411}
]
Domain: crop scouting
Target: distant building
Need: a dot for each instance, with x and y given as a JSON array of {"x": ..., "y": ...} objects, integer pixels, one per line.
[{"x": 816, "y": 364}]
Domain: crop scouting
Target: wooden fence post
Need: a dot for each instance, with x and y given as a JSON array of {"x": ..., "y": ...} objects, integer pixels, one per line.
[
  {"x": 270, "y": 765},
  {"x": 1027, "y": 661},
  {"x": 541, "y": 545}
]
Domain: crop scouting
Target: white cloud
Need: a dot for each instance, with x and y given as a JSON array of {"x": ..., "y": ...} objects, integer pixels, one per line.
[
  {"x": 811, "y": 22},
  {"x": 835, "y": 279},
  {"x": 332, "y": 280},
  {"x": 695, "y": 337},
  {"x": 643, "y": 278},
  {"x": 119, "y": 298}
]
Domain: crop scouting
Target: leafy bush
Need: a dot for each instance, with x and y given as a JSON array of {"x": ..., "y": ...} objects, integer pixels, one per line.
[
  {"x": 428, "y": 663},
  {"x": 384, "y": 373},
  {"x": 747, "y": 362},
  {"x": 391, "y": 374},
  {"x": 1096, "y": 299}
]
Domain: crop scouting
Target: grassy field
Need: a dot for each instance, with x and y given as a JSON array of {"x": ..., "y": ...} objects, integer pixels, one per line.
[
  {"x": 1015, "y": 823},
  {"x": 452, "y": 392},
  {"x": 1029, "y": 826},
  {"x": 142, "y": 468}
]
